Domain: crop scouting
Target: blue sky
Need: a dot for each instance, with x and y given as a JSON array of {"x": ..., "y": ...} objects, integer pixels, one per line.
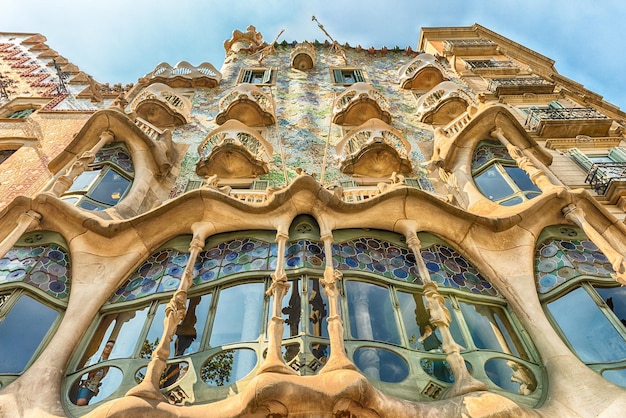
[{"x": 122, "y": 40}]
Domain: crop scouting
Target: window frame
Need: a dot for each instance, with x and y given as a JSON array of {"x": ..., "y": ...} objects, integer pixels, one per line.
[
  {"x": 338, "y": 75},
  {"x": 247, "y": 76}
]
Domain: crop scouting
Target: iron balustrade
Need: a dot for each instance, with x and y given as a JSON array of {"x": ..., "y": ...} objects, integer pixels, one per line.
[
  {"x": 601, "y": 175},
  {"x": 517, "y": 82},
  {"x": 536, "y": 116}
]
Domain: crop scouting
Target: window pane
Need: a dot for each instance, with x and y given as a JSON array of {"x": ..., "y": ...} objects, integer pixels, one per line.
[
  {"x": 291, "y": 309},
  {"x": 155, "y": 332},
  {"x": 491, "y": 330},
  {"x": 318, "y": 309},
  {"x": 122, "y": 327},
  {"x": 238, "y": 314},
  {"x": 190, "y": 332},
  {"x": 371, "y": 313},
  {"x": 520, "y": 177},
  {"x": 83, "y": 181},
  {"x": 615, "y": 298},
  {"x": 491, "y": 183},
  {"x": 110, "y": 189},
  {"x": 21, "y": 331},
  {"x": 380, "y": 364},
  {"x": 416, "y": 319},
  {"x": 586, "y": 328}
]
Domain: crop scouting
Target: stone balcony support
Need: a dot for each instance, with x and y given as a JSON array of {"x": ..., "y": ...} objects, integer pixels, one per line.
[
  {"x": 423, "y": 73},
  {"x": 248, "y": 104},
  {"x": 359, "y": 103},
  {"x": 443, "y": 103},
  {"x": 162, "y": 106},
  {"x": 184, "y": 74},
  {"x": 303, "y": 56}
]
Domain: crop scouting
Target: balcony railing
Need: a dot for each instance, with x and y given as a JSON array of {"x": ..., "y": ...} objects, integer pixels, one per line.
[
  {"x": 358, "y": 194},
  {"x": 469, "y": 46},
  {"x": 184, "y": 74},
  {"x": 439, "y": 94},
  {"x": 149, "y": 129},
  {"x": 520, "y": 85},
  {"x": 179, "y": 106},
  {"x": 536, "y": 116},
  {"x": 360, "y": 93},
  {"x": 245, "y": 94},
  {"x": 249, "y": 195},
  {"x": 421, "y": 63},
  {"x": 601, "y": 175},
  {"x": 303, "y": 56}
]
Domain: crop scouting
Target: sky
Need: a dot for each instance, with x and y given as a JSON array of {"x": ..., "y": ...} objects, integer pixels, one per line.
[{"x": 119, "y": 41}]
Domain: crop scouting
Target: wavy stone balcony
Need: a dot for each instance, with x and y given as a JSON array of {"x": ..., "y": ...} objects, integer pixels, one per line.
[
  {"x": 233, "y": 151},
  {"x": 374, "y": 149},
  {"x": 444, "y": 103},
  {"x": 359, "y": 103},
  {"x": 423, "y": 73},
  {"x": 520, "y": 85},
  {"x": 303, "y": 56},
  {"x": 568, "y": 122},
  {"x": 161, "y": 106},
  {"x": 184, "y": 74},
  {"x": 248, "y": 104}
]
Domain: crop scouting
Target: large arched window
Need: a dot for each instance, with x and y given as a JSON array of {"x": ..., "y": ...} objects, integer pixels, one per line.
[
  {"x": 498, "y": 177},
  {"x": 222, "y": 339},
  {"x": 34, "y": 289},
  {"x": 105, "y": 182},
  {"x": 586, "y": 305}
]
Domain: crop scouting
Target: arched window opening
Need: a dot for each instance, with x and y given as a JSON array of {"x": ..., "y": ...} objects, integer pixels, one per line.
[
  {"x": 498, "y": 177},
  {"x": 388, "y": 333},
  {"x": 586, "y": 305},
  {"x": 107, "y": 180},
  {"x": 34, "y": 289}
]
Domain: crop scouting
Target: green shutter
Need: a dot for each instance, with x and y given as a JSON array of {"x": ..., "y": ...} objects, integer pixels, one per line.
[
  {"x": 338, "y": 76},
  {"x": 260, "y": 184},
  {"x": 618, "y": 154},
  {"x": 247, "y": 76},
  {"x": 267, "y": 76},
  {"x": 580, "y": 158},
  {"x": 193, "y": 184},
  {"x": 358, "y": 76},
  {"x": 348, "y": 183},
  {"x": 413, "y": 182}
]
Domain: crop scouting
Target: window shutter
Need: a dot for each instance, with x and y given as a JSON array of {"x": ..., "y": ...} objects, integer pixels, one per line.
[
  {"x": 413, "y": 182},
  {"x": 267, "y": 76},
  {"x": 580, "y": 158},
  {"x": 358, "y": 76},
  {"x": 348, "y": 183},
  {"x": 247, "y": 76},
  {"x": 618, "y": 154},
  {"x": 338, "y": 76},
  {"x": 555, "y": 105}
]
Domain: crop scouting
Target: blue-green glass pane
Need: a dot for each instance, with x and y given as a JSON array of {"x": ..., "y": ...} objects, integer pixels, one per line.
[
  {"x": 379, "y": 364},
  {"x": 511, "y": 376},
  {"x": 21, "y": 332},
  {"x": 491, "y": 184},
  {"x": 371, "y": 313},
  {"x": 110, "y": 189},
  {"x": 238, "y": 314},
  {"x": 587, "y": 329},
  {"x": 227, "y": 367},
  {"x": 521, "y": 179}
]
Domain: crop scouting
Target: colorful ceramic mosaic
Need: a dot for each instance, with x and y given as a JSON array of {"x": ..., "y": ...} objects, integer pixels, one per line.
[
  {"x": 45, "y": 267},
  {"x": 489, "y": 150},
  {"x": 163, "y": 270},
  {"x": 559, "y": 260},
  {"x": 117, "y": 154}
]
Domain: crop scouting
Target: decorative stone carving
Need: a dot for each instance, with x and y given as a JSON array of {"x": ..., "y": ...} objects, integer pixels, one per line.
[
  {"x": 250, "y": 40},
  {"x": 443, "y": 103},
  {"x": 248, "y": 104},
  {"x": 359, "y": 103},
  {"x": 162, "y": 106},
  {"x": 303, "y": 56},
  {"x": 422, "y": 73}
]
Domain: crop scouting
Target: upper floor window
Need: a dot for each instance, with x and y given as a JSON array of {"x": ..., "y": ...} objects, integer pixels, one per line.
[
  {"x": 5, "y": 154},
  {"x": 602, "y": 168},
  {"x": 106, "y": 182},
  {"x": 20, "y": 114},
  {"x": 586, "y": 305},
  {"x": 34, "y": 287},
  {"x": 347, "y": 76},
  {"x": 259, "y": 76},
  {"x": 498, "y": 177}
]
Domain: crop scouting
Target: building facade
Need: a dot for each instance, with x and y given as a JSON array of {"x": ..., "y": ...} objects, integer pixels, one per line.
[{"x": 314, "y": 229}]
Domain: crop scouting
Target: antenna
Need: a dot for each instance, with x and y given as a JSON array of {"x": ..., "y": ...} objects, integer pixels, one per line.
[
  {"x": 335, "y": 47},
  {"x": 62, "y": 76}
]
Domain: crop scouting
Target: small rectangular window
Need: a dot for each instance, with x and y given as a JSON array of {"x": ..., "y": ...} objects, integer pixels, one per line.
[
  {"x": 347, "y": 76},
  {"x": 260, "y": 76}
]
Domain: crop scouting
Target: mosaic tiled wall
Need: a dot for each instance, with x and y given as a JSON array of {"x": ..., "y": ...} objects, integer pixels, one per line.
[{"x": 303, "y": 107}]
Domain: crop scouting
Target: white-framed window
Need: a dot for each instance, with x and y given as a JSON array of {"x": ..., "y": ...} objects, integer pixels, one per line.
[
  {"x": 259, "y": 76},
  {"x": 347, "y": 76}
]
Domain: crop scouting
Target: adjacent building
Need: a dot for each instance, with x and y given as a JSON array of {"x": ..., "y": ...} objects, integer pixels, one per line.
[{"x": 314, "y": 229}]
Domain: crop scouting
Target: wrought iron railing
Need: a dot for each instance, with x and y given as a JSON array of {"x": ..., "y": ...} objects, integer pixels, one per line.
[
  {"x": 601, "y": 175},
  {"x": 536, "y": 116}
]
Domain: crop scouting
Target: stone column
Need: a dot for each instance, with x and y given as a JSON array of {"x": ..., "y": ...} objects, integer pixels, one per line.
[
  {"x": 525, "y": 163},
  {"x": 337, "y": 358},
  {"x": 65, "y": 181},
  {"x": 175, "y": 312},
  {"x": 274, "y": 360},
  {"x": 440, "y": 317},
  {"x": 27, "y": 221},
  {"x": 576, "y": 215}
]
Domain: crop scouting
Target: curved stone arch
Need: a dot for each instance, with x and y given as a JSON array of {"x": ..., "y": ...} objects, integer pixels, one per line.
[{"x": 152, "y": 157}]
